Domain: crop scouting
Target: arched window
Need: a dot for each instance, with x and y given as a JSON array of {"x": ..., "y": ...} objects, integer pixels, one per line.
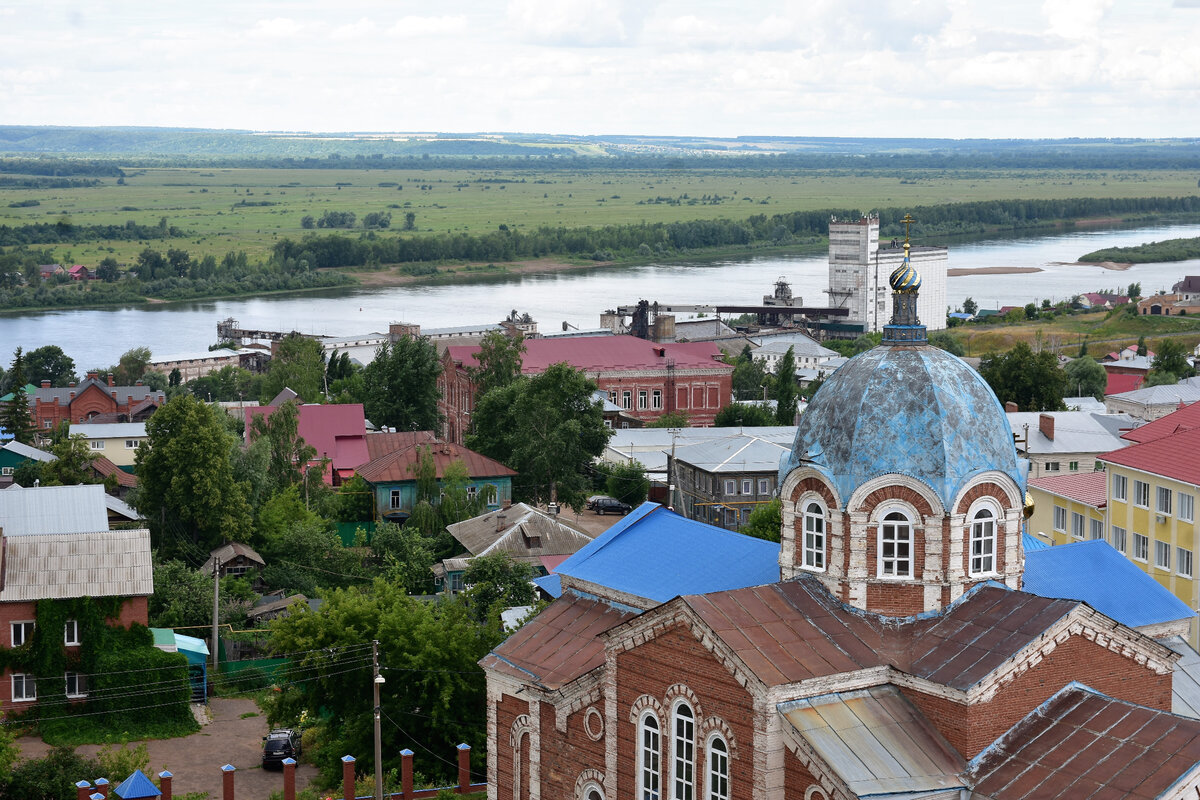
[
  {"x": 895, "y": 546},
  {"x": 814, "y": 537},
  {"x": 983, "y": 542},
  {"x": 684, "y": 753},
  {"x": 593, "y": 793},
  {"x": 649, "y": 754},
  {"x": 718, "y": 769}
]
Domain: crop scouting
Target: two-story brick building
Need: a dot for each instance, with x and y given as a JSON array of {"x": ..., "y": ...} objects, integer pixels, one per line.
[
  {"x": 90, "y": 399},
  {"x": 645, "y": 379}
]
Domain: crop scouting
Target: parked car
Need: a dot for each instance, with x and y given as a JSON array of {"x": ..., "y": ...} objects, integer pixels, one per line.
[
  {"x": 591, "y": 501},
  {"x": 611, "y": 505},
  {"x": 279, "y": 744}
]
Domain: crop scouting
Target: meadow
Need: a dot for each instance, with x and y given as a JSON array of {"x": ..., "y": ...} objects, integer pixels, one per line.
[
  {"x": 1103, "y": 331},
  {"x": 225, "y": 210}
]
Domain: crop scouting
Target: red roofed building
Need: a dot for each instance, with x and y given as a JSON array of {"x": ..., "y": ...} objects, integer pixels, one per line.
[
  {"x": 392, "y": 476},
  {"x": 645, "y": 379},
  {"x": 1116, "y": 383},
  {"x": 91, "y": 399},
  {"x": 337, "y": 431}
]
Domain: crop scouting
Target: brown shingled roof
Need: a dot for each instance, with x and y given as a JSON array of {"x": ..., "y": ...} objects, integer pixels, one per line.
[
  {"x": 395, "y": 467},
  {"x": 104, "y": 467}
]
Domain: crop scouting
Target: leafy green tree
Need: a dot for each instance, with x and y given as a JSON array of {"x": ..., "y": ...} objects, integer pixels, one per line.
[
  {"x": 186, "y": 488},
  {"x": 766, "y": 521},
  {"x": 287, "y": 454},
  {"x": 183, "y": 597},
  {"x": 1172, "y": 357},
  {"x": 51, "y": 777},
  {"x": 434, "y": 688},
  {"x": 1086, "y": 378},
  {"x": 16, "y": 418},
  {"x": 72, "y": 464},
  {"x": 1141, "y": 346},
  {"x": 673, "y": 419},
  {"x": 132, "y": 366},
  {"x": 356, "y": 501},
  {"x": 50, "y": 363},
  {"x": 499, "y": 360},
  {"x": 749, "y": 376},
  {"x": 737, "y": 415},
  {"x": 1031, "y": 311},
  {"x": 107, "y": 270},
  {"x": 175, "y": 378},
  {"x": 628, "y": 483},
  {"x": 970, "y": 306},
  {"x": 282, "y": 511},
  {"x": 299, "y": 365},
  {"x": 548, "y": 428},
  {"x": 496, "y": 582},
  {"x": 407, "y": 557},
  {"x": 1134, "y": 291},
  {"x": 400, "y": 385},
  {"x": 785, "y": 392},
  {"x": 1034, "y": 382},
  {"x": 309, "y": 556},
  {"x": 227, "y": 384},
  {"x": 947, "y": 342}
]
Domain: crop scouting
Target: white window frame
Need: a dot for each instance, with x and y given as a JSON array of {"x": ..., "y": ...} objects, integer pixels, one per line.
[
  {"x": 1187, "y": 507},
  {"x": 395, "y": 498},
  {"x": 656, "y": 400},
  {"x": 1097, "y": 529},
  {"x": 716, "y": 772},
  {"x": 1162, "y": 555},
  {"x": 1120, "y": 539},
  {"x": 747, "y": 486},
  {"x": 1060, "y": 519},
  {"x": 71, "y": 633},
  {"x": 1141, "y": 493},
  {"x": 814, "y": 545},
  {"x": 1077, "y": 525},
  {"x": 891, "y": 524},
  {"x": 25, "y": 627},
  {"x": 133, "y": 444},
  {"x": 730, "y": 486},
  {"x": 626, "y": 399},
  {"x": 1140, "y": 550},
  {"x": 648, "y": 774},
  {"x": 6, "y": 471},
  {"x": 1162, "y": 500},
  {"x": 96, "y": 444},
  {"x": 1052, "y": 466},
  {"x": 643, "y": 400},
  {"x": 683, "y": 751},
  {"x": 1120, "y": 487},
  {"x": 1183, "y": 562},
  {"x": 28, "y": 684},
  {"x": 80, "y": 688},
  {"x": 764, "y": 486},
  {"x": 983, "y": 541}
]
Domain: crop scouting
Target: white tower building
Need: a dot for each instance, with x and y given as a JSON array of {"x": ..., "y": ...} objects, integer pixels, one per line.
[{"x": 859, "y": 269}]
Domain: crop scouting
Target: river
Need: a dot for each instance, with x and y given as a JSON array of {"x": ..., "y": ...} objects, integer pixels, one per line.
[{"x": 97, "y": 337}]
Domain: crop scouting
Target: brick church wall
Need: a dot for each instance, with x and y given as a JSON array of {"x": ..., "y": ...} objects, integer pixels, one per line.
[
  {"x": 564, "y": 757},
  {"x": 797, "y": 779},
  {"x": 507, "y": 711},
  {"x": 671, "y": 658}
]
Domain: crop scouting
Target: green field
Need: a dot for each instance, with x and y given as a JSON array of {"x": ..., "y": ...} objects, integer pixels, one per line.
[
  {"x": 209, "y": 202},
  {"x": 1104, "y": 332}
]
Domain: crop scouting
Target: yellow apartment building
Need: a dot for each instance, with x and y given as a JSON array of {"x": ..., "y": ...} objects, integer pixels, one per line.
[{"x": 1069, "y": 508}]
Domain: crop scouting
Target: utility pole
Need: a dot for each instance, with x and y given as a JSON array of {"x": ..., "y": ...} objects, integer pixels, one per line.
[
  {"x": 216, "y": 613},
  {"x": 375, "y": 684}
]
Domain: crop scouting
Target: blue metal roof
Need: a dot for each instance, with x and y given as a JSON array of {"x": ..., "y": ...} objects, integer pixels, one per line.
[
  {"x": 916, "y": 411},
  {"x": 137, "y": 785},
  {"x": 1100, "y": 576},
  {"x": 550, "y": 584},
  {"x": 657, "y": 554},
  {"x": 1031, "y": 542}
]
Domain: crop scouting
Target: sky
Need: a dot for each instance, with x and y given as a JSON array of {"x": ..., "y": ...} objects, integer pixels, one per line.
[{"x": 879, "y": 68}]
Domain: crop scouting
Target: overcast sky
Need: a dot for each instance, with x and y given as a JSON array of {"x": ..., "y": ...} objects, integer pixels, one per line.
[{"x": 930, "y": 68}]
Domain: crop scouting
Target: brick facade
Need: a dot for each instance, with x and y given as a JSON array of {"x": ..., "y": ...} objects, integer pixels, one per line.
[{"x": 91, "y": 398}]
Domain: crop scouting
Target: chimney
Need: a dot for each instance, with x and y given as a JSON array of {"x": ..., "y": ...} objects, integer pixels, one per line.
[
  {"x": 45, "y": 384},
  {"x": 1046, "y": 426},
  {"x": 71, "y": 384},
  {"x": 72, "y": 394},
  {"x": 110, "y": 380},
  {"x": 138, "y": 382},
  {"x": 500, "y": 519},
  {"x": 1010, "y": 407},
  {"x": 93, "y": 376}
]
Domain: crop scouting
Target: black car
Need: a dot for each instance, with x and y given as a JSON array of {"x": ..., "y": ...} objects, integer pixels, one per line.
[
  {"x": 610, "y": 505},
  {"x": 279, "y": 744}
]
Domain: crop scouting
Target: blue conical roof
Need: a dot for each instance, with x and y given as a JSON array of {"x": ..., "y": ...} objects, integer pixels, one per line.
[{"x": 137, "y": 785}]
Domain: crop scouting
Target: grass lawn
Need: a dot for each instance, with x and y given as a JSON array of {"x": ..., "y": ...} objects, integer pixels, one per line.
[{"x": 1104, "y": 332}]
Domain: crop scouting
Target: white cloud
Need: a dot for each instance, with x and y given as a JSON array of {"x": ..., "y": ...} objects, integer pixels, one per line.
[
  {"x": 585, "y": 23},
  {"x": 428, "y": 26},
  {"x": 277, "y": 28}
]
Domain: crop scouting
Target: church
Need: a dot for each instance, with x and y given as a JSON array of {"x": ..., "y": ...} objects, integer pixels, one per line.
[{"x": 884, "y": 649}]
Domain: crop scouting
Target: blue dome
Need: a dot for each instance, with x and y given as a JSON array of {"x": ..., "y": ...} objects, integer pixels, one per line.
[{"x": 916, "y": 411}]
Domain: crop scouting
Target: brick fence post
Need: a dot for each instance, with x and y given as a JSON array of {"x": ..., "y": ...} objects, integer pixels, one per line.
[
  {"x": 464, "y": 768},
  {"x": 83, "y": 790},
  {"x": 102, "y": 787},
  {"x": 347, "y": 777},
  {"x": 406, "y": 775},
  {"x": 289, "y": 779},
  {"x": 164, "y": 782},
  {"x": 227, "y": 773}
]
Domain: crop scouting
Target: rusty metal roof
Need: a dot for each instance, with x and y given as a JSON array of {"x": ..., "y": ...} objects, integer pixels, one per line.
[
  {"x": 877, "y": 742},
  {"x": 560, "y": 644},
  {"x": 397, "y": 466},
  {"x": 1082, "y": 744}
]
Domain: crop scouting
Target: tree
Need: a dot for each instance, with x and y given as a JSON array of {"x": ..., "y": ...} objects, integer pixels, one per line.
[
  {"x": 180, "y": 261},
  {"x": 107, "y": 270},
  {"x": 183, "y": 597},
  {"x": 969, "y": 306},
  {"x": 16, "y": 418},
  {"x": 1034, "y": 382},
  {"x": 628, "y": 483},
  {"x": 1171, "y": 359},
  {"x": 72, "y": 464},
  {"x": 947, "y": 342},
  {"x": 151, "y": 264},
  {"x": 766, "y": 521},
  {"x": 287, "y": 454},
  {"x": 50, "y": 363},
  {"x": 400, "y": 385},
  {"x": 672, "y": 419},
  {"x": 407, "y": 557},
  {"x": 499, "y": 361},
  {"x": 132, "y": 366},
  {"x": 737, "y": 415},
  {"x": 749, "y": 376},
  {"x": 1141, "y": 346},
  {"x": 1134, "y": 291},
  {"x": 496, "y": 582},
  {"x": 548, "y": 428},
  {"x": 410, "y": 220},
  {"x": 1086, "y": 378},
  {"x": 186, "y": 488},
  {"x": 1031, "y": 311},
  {"x": 785, "y": 392},
  {"x": 299, "y": 365}
]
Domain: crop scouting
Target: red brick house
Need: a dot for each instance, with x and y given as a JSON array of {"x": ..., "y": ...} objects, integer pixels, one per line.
[
  {"x": 645, "y": 379},
  {"x": 886, "y": 651},
  {"x": 89, "y": 399}
]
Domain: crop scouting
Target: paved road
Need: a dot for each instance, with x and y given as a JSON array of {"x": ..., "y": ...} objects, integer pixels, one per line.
[{"x": 196, "y": 760}]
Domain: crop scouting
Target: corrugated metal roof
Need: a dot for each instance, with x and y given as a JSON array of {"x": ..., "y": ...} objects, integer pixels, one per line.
[
  {"x": 1074, "y": 431},
  {"x": 560, "y": 644},
  {"x": 1176, "y": 456},
  {"x": 877, "y": 742},
  {"x": 734, "y": 453},
  {"x": 1082, "y": 744},
  {"x": 609, "y": 353},
  {"x": 53, "y": 509},
  {"x": 1095, "y": 573},
  {"x": 651, "y": 445},
  {"x": 110, "y": 430},
  {"x": 379, "y": 444},
  {"x": 1085, "y": 487},
  {"x": 1182, "y": 392},
  {"x": 1184, "y": 419},
  {"x": 656, "y": 554},
  {"x": 1185, "y": 680},
  {"x": 522, "y": 524},
  {"x": 64, "y": 565},
  {"x": 335, "y": 431},
  {"x": 25, "y": 451}
]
